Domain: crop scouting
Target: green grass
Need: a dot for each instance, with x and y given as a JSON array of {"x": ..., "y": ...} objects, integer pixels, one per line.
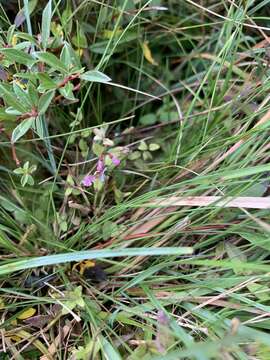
[{"x": 187, "y": 109}]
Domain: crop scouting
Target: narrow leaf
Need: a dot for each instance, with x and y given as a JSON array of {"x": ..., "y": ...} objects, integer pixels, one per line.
[
  {"x": 46, "y": 24},
  {"x": 38, "y": 127},
  {"x": 44, "y": 101},
  {"x": 21, "y": 129},
  {"x": 46, "y": 83},
  {"x": 147, "y": 54},
  {"x": 22, "y": 95},
  {"x": 18, "y": 56},
  {"x": 51, "y": 60},
  {"x": 10, "y": 99},
  {"x": 95, "y": 76},
  {"x": 218, "y": 201},
  {"x": 30, "y": 263}
]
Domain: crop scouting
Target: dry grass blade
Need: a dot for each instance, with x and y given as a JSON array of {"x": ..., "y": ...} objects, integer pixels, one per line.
[{"x": 247, "y": 202}]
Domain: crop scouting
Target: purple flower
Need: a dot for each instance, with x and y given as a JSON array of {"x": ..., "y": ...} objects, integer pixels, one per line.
[
  {"x": 100, "y": 166},
  {"x": 88, "y": 180},
  {"x": 115, "y": 161}
]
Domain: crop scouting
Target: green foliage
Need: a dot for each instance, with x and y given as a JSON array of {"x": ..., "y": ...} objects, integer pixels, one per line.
[{"x": 25, "y": 172}]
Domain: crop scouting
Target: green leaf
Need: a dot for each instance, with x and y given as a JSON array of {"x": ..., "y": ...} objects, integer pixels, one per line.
[
  {"x": 30, "y": 180},
  {"x": 134, "y": 155},
  {"x": 166, "y": 116},
  {"x": 95, "y": 76},
  {"x": 34, "y": 262},
  {"x": 18, "y": 171},
  {"x": 33, "y": 94},
  {"x": 143, "y": 146},
  {"x": 66, "y": 18},
  {"x": 18, "y": 56},
  {"x": 38, "y": 127},
  {"x": 70, "y": 58},
  {"x": 108, "y": 229},
  {"x": 70, "y": 180},
  {"x": 235, "y": 254},
  {"x": 47, "y": 141},
  {"x": 46, "y": 83},
  {"x": 118, "y": 195},
  {"x": 46, "y": 24},
  {"x": 68, "y": 191},
  {"x": 97, "y": 149},
  {"x": 72, "y": 299},
  {"x": 79, "y": 40},
  {"x": 21, "y": 129},
  {"x": 67, "y": 91},
  {"x": 11, "y": 111},
  {"x": 24, "y": 179},
  {"x": 83, "y": 145},
  {"x": 10, "y": 99},
  {"x": 26, "y": 166},
  {"x": 260, "y": 291},
  {"x": 256, "y": 189},
  {"x": 110, "y": 352},
  {"x": 148, "y": 119},
  {"x": 258, "y": 240},
  {"x": 22, "y": 95},
  {"x": 27, "y": 37},
  {"x": 45, "y": 101},
  {"x": 51, "y": 60},
  {"x": 10, "y": 34},
  {"x": 147, "y": 155},
  {"x": 154, "y": 147}
]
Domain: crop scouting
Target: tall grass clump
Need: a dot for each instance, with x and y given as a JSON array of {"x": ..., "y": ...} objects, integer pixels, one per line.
[{"x": 134, "y": 187}]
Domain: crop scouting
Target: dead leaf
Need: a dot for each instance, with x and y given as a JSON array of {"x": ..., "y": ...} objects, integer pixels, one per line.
[
  {"x": 148, "y": 54},
  {"x": 247, "y": 202},
  {"x": 27, "y": 314}
]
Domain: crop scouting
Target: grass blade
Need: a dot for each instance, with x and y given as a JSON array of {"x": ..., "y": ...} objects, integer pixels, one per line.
[{"x": 90, "y": 254}]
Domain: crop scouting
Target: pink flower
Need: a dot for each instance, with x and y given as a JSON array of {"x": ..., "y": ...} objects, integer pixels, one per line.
[
  {"x": 88, "y": 180},
  {"x": 115, "y": 161},
  {"x": 100, "y": 166}
]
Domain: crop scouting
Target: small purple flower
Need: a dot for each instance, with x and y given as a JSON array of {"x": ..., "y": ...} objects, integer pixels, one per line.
[
  {"x": 88, "y": 180},
  {"x": 116, "y": 161},
  {"x": 100, "y": 166}
]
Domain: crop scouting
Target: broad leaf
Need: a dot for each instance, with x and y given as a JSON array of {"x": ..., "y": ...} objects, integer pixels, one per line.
[
  {"x": 46, "y": 24},
  {"x": 21, "y": 129},
  {"x": 143, "y": 146},
  {"x": 95, "y": 76},
  {"x": 148, "y": 119},
  {"x": 154, "y": 147}
]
